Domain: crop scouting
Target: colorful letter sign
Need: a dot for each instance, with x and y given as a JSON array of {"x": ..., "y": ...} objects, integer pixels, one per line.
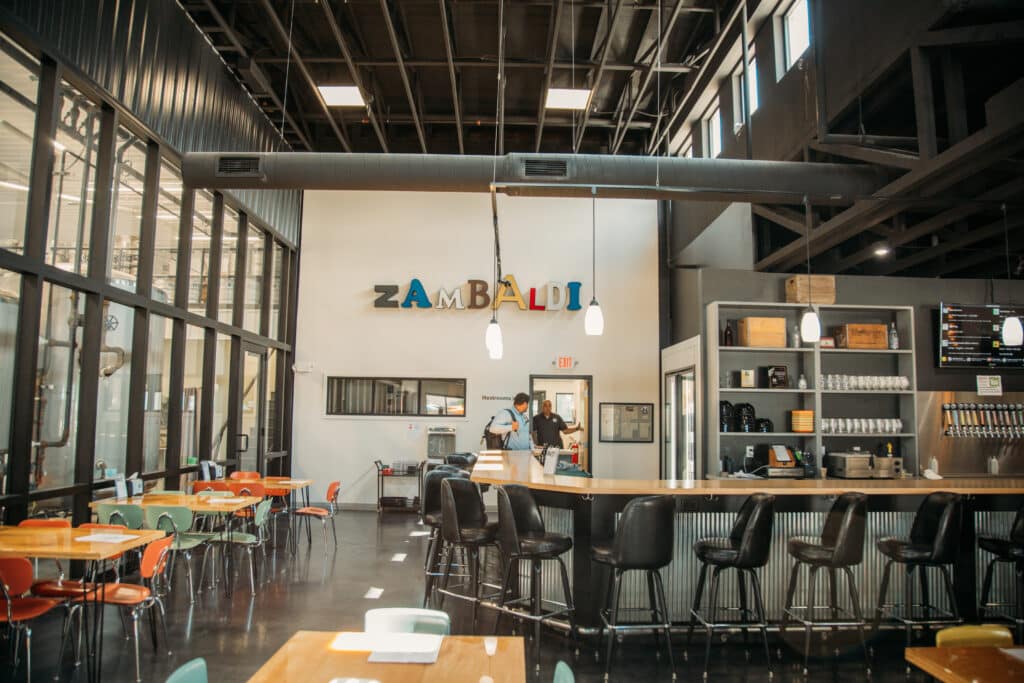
[{"x": 475, "y": 294}]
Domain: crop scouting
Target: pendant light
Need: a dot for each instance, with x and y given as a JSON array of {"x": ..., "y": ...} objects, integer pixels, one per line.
[
  {"x": 810, "y": 324},
  {"x": 492, "y": 336},
  {"x": 593, "y": 323},
  {"x": 1013, "y": 331}
]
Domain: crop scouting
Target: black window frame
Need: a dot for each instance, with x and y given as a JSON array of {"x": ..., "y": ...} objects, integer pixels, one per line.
[{"x": 332, "y": 379}]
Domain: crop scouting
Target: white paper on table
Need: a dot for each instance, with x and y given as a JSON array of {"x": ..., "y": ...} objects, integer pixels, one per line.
[
  {"x": 1016, "y": 652},
  {"x": 224, "y": 501},
  {"x": 489, "y": 458},
  {"x": 105, "y": 538},
  {"x": 286, "y": 481},
  {"x": 488, "y": 466},
  {"x": 399, "y": 648}
]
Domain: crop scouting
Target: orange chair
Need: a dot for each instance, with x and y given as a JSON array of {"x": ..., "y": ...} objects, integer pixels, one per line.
[
  {"x": 324, "y": 514},
  {"x": 134, "y": 598},
  {"x": 15, "y": 581},
  {"x": 281, "y": 498},
  {"x": 47, "y": 523},
  {"x": 241, "y": 488},
  {"x": 243, "y": 474},
  {"x": 198, "y": 486}
]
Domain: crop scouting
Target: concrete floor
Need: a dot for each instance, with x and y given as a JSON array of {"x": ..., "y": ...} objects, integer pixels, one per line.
[{"x": 311, "y": 591}]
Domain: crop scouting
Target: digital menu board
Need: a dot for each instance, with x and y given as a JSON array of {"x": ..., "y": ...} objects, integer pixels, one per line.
[{"x": 969, "y": 336}]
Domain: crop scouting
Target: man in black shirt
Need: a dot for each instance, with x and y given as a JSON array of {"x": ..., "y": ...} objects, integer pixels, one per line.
[{"x": 548, "y": 427}]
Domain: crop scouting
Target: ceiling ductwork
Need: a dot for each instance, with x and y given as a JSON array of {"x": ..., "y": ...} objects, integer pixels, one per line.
[{"x": 635, "y": 177}]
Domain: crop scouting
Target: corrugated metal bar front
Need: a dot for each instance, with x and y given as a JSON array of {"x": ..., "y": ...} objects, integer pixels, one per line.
[{"x": 1003, "y": 579}]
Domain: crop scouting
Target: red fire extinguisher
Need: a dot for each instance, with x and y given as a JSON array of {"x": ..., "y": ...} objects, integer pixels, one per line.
[{"x": 576, "y": 452}]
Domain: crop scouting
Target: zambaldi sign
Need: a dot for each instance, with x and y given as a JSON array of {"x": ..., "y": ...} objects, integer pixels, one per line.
[{"x": 554, "y": 296}]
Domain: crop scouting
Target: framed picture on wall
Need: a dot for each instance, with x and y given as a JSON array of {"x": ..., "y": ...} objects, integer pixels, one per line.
[
  {"x": 565, "y": 405},
  {"x": 626, "y": 422}
]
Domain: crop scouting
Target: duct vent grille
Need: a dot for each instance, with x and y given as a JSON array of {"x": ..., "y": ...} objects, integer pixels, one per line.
[
  {"x": 238, "y": 167},
  {"x": 545, "y": 168}
]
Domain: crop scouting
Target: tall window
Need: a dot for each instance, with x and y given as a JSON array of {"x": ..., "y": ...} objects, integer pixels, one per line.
[
  {"x": 228, "y": 261},
  {"x": 796, "y": 30},
  {"x": 17, "y": 111},
  {"x": 192, "y": 395},
  {"x": 158, "y": 389},
  {"x": 275, "y": 292},
  {"x": 199, "y": 263},
  {"x": 222, "y": 431},
  {"x": 749, "y": 92},
  {"x": 168, "y": 217},
  {"x": 10, "y": 293},
  {"x": 126, "y": 216},
  {"x": 112, "y": 398},
  {"x": 713, "y": 130},
  {"x": 255, "y": 246}
]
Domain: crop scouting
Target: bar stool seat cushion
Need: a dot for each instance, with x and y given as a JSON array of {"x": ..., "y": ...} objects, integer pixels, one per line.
[
  {"x": 603, "y": 552},
  {"x": 479, "y": 535},
  {"x": 1003, "y": 547},
  {"x": 719, "y": 551},
  {"x": 61, "y": 589},
  {"x": 544, "y": 544},
  {"x": 811, "y": 553},
  {"x": 905, "y": 551},
  {"x": 432, "y": 519}
]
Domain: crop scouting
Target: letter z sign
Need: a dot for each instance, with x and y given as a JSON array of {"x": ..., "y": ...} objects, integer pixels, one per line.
[{"x": 386, "y": 298}]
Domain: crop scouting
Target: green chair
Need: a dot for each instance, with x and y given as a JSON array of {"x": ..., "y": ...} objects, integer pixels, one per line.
[
  {"x": 190, "y": 672},
  {"x": 169, "y": 492},
  {"x": 563, "y": 674},
  {"x": 215, "y": 494},
  {"x": 130, "y": 516},
  {"x": 407, "y": 620},
  {"x": 248, "y": 541},
  {"x": 177, "y": 519}
]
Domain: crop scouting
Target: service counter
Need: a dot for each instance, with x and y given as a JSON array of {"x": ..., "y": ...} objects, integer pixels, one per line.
[{"x": 587, "y": 509}]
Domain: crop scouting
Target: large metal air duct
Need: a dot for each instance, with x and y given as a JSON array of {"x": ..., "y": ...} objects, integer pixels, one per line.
[{"x": 539, "y": 174}]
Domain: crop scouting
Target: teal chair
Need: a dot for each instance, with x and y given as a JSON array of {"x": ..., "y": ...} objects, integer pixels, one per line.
[
  {"x": 177, "y": 520},
  {"x": 168, "y": 492},
  {"x": 407, "y": 620},
  {"x": 190, "y": 672},
  {"x": 130, "y": 516},
  {"x": 563, "y": 674},
  {"x": 250, "y": 542}
]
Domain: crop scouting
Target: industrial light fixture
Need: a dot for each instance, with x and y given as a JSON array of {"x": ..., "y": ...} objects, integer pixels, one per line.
[
  {"x": 567, "y": 98},
  {"x": 593, "y": 322},
  {"x": 341, "y": 96},
  {"x": 882, "y": 249},
  {"x": 1013, "y": 331},
  {"x": 492, "y": 336},
  {"x": 810, "y": 323}
]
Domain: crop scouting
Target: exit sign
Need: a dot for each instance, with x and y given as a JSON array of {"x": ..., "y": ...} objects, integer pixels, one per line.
[{"x": 565, "y": 363}]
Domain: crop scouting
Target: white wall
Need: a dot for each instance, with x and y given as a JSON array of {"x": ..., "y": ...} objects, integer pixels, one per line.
[{"x": 354, "y": 240}]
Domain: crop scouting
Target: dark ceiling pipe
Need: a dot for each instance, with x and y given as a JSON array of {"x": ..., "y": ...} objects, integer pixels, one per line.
[{"x": 641, "y": 177}]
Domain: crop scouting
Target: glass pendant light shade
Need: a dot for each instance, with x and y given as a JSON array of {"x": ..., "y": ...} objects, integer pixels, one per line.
[
  {"x": 593, "y": 323},
  {"x": 810, "y": 327},
  {"x": 1013, "y": 332},
  {"x": 493, "y": 340}
]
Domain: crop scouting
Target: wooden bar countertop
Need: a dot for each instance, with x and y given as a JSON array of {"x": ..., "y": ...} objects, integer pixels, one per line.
[{"x": 520, "y": 467}]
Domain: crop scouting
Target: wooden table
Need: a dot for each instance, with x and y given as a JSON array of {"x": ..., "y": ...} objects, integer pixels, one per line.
[
  {"x": 204, "y": 504},
  {"x": 307, "y": 657},
  {"x": 63, "y": 544},
  {"x": 289, "y": 484},
  {"x": 967, "y": 664}
]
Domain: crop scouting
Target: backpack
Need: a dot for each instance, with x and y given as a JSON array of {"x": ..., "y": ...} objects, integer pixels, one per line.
[{"x": 496, "y": 441}]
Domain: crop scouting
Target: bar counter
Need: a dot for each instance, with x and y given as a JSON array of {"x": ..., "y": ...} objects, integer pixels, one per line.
[{"x": 587, "y": 509}]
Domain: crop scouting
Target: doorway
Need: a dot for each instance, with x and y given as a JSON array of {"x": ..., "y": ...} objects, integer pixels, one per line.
[
  {"x": 251, "y": 402},
  {"x": 681, "y": 410},
  {"x": 570, "y": 399}
]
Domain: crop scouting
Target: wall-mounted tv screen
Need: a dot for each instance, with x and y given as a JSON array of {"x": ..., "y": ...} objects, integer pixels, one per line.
[{"x": 969, "y": 337}]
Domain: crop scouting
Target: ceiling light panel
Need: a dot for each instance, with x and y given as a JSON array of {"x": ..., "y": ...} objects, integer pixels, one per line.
[
  {"x": 341, "y": 95},
  {"x": 567, "y": 98}
]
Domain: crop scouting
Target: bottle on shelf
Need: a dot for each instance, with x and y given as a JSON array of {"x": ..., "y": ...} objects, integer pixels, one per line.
[
  {"x": 993, "y": 464},
  {"x": 794, "y": 337},
  {"x": 894, "y": 337},
  {"x": 727, "y": 339},
  {"x": 802, "y": 382}
]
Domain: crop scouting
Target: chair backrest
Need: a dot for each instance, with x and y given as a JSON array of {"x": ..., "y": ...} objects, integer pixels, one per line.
[
  {"x": 190, "y": 672},
  {"x": 129, "y": 515},
  {"x": 524, "y": 507},
  {"x": 407, "y": 620},
  {"x": 262, "y": 511},
  {"x": 200, "y": 486},
  {"x": 752, "y": 531},
  {"x": 937, "y": 523},
  {"x": 563, "y": 674},
  {"x": 643, "y": 538},
  {"x": 1017, "y": 531},
  {"x": 460, "y": 459},
  {"x": 16, "y": 575},
  {"x": 332, "y": 492},
  {"x": 178, "y": 518},
  {"x": 49, "y": 523},
  {"x": 983, "y": 635},
  {"x": 508, "y": 537},
  {"x": 430, "y": 503},
  {"x": 239, "y": 488},
  {"x": 154, "y": 557},
  {"x": 242, "y": 474},
  {"x": 844, "y": 529},
  {"x": 462, "y": 505}
]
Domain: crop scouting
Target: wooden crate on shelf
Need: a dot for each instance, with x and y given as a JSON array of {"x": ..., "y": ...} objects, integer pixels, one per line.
[
  {"x": 767, "y": 332},
  {"x": 861, "y": 336},
  {"x": 818, "y": 289}
]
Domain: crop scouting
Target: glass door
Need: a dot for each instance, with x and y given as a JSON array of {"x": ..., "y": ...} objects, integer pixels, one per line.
[
  {"x": 251, "y": 407},
  {"x": 679, "y": 450}
]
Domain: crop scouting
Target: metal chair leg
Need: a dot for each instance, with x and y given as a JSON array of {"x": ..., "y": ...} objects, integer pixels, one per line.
[
  {"x": 613, "y": 614},
  {"x": 447, "y": 573},
  {"x": 505, "y": 578},
  {"x": 986, "y": 588},
  {"x": 135, "y": 643},
  {"x": 755, "y": 584},
  {"x": 696, "y": 602},
  {"x": 570, "y": 605},
  {"x": 855, "y": 601},
  {"x": 926, "y": 603},
  {"x": 741, "y": 585},
  {"x": 666, "y": 620},
  {"x": 812, "y": 577},
  {"x": 794, "y": 577},
  {"x": 28, "y": 654},
  {"x": 949, "y": 590},
  {"x": 536, "y": 607},
  {"x": 908, "y": 602},
  {"x": 710, "y": 620},
  {"x": 883, "y": 593}
]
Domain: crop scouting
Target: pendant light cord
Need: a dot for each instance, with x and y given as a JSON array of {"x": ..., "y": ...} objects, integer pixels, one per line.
[
  {"x": 807, "y": 243},
  {"x": 657, "y": 103},
  {"x": 496, "y": 264},
  {"x": 287, "y": 68},
  {"x": 1006, "y": 241},
  {"x": 593, "y": 243}
]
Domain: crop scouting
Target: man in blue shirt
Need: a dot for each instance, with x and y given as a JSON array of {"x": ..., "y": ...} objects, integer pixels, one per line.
[{"x": 514, "y": 424}]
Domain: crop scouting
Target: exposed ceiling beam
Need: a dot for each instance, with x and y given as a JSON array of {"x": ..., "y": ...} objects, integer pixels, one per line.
[
  {"x": 489, "y": 63},
  {"x": 962, "y": 240},
  {"x": 936, "y": 222},
  {"x": 453, "y": 80},
  {"x": 964, "y": 262},
  {"x": 791, "y": 220},
  {"x": 390, "y": 25},
  {"x": 229, "y": 33},
  {"x": 472, "y": 121},
  {"x": 597, "y": 74},
  {"x": 556, "y": 16},
  {"x": 1000, "y": 32},
  {"x": 368, "y": 97},
  {"x": 282, "y": 33},
  {"x": 883, "y": 157},
  {"x": 648, "y": 73}
]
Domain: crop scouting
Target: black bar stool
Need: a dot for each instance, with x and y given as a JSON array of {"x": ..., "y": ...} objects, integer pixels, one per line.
[
  {"x": 430, "y": 513},
  {"x": 643, "y": 541},
  {"x": 840, "y": 547},
  {"x": 1009, "y": 550},
  {"x": 933, "y": 543},
  {"x": 522, "y": 536},
  {"x": 464, "y": 525},
  {"x": 746, "y": 549}
]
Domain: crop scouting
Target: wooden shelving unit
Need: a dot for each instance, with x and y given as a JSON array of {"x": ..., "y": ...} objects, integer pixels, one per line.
[{"x": 813, "y": 362}]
